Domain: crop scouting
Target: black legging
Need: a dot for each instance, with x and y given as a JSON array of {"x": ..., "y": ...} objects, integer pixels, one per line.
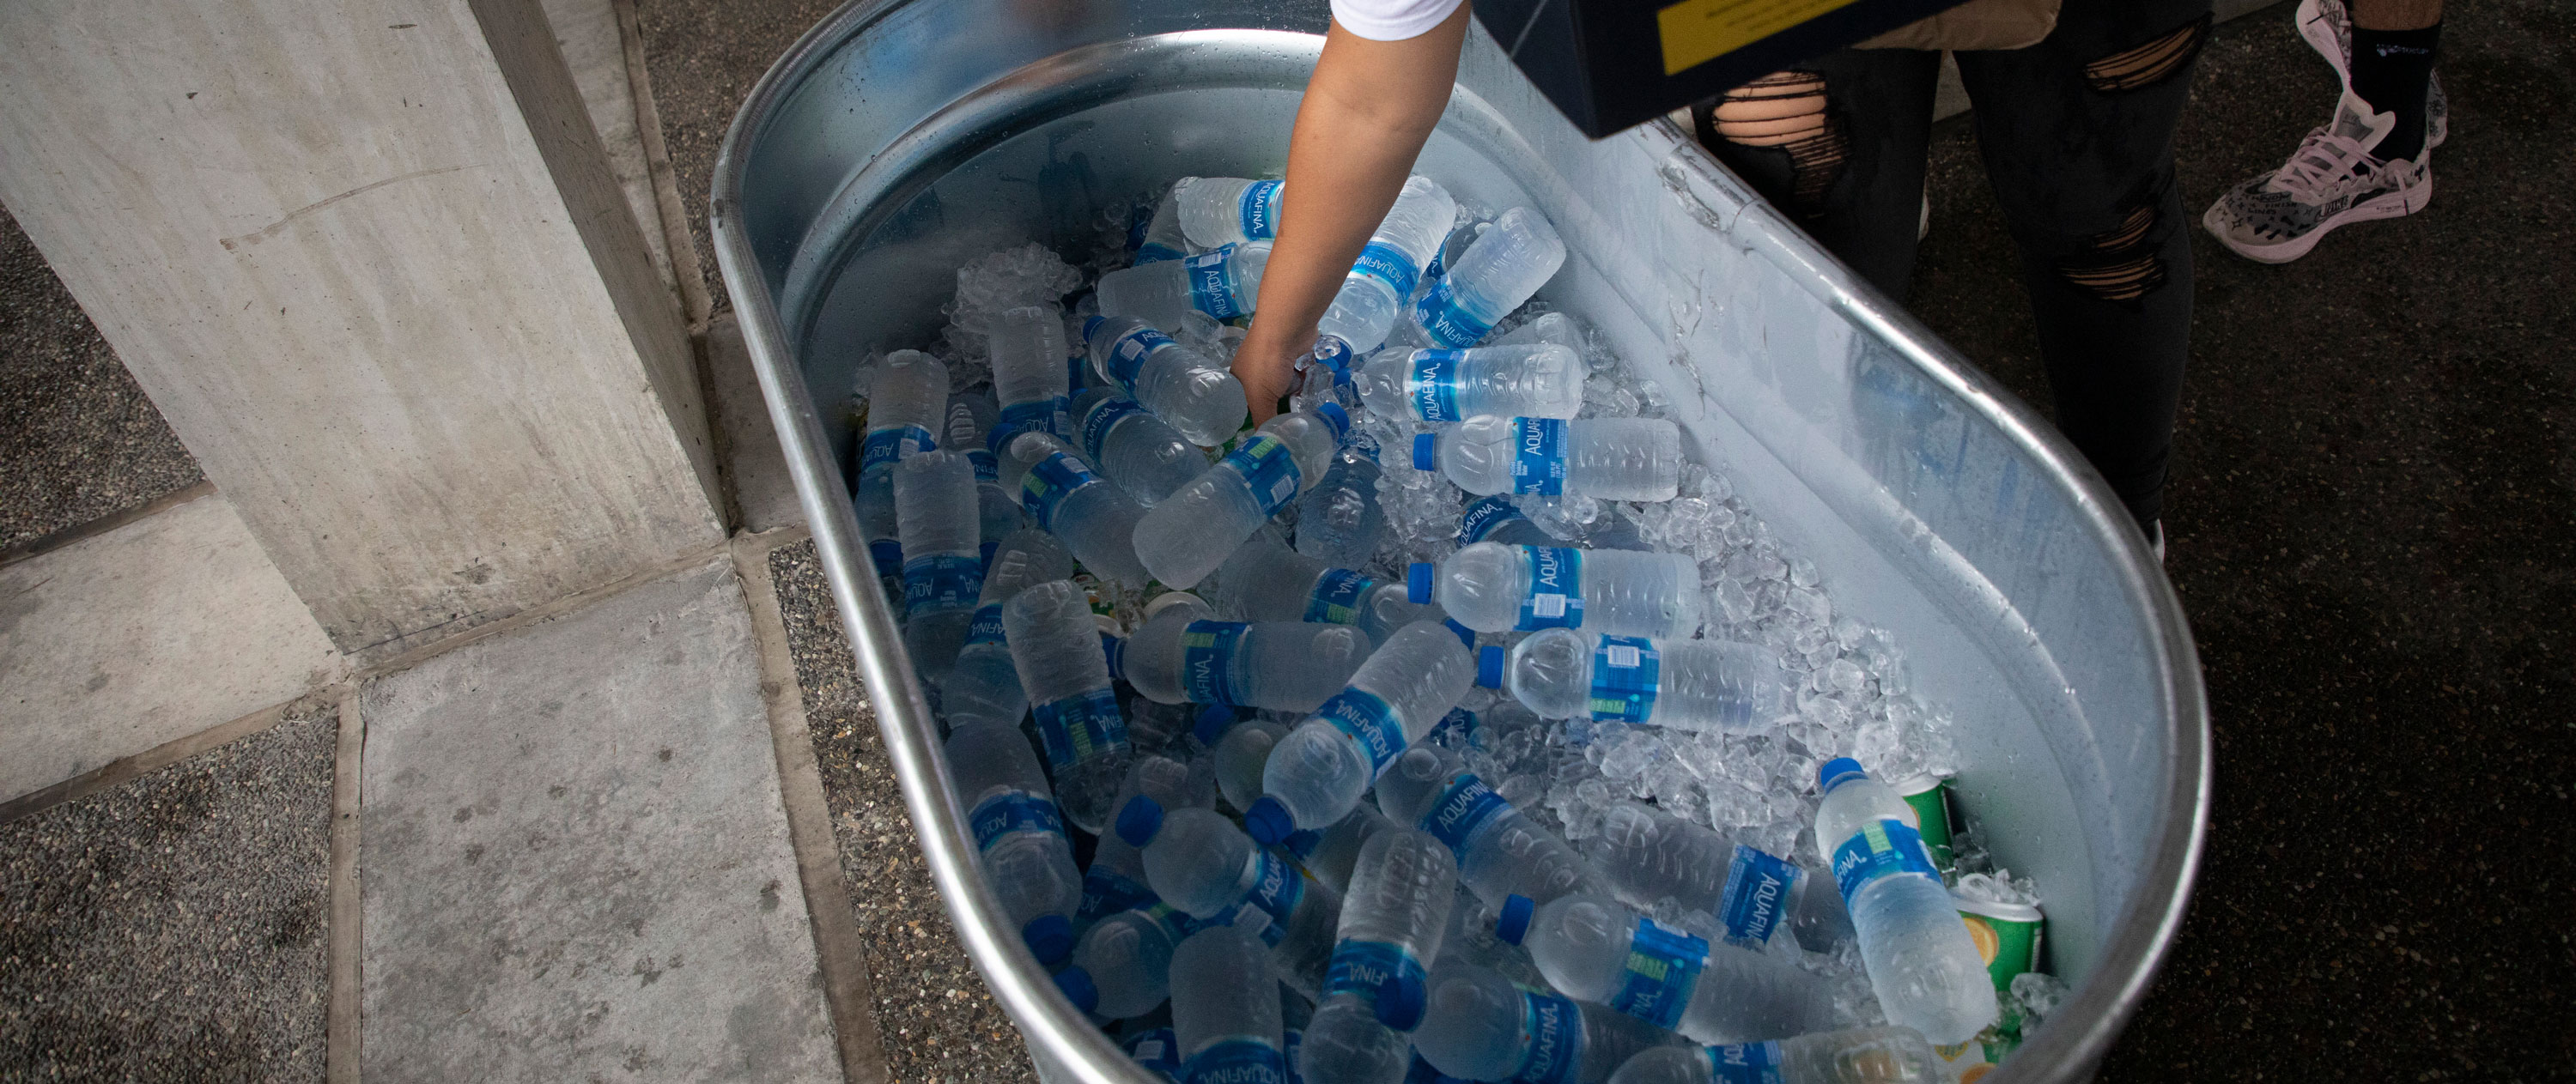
[{"x": 2077, "y": 133}]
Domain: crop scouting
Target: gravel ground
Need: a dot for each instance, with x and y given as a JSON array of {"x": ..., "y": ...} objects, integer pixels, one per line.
[
  {"x": 938, "y": 1023},
  {"x": 172, "y": 928}
]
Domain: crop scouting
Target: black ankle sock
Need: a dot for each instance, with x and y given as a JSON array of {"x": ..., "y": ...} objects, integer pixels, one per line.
[{"x": 2393, "y": 70}]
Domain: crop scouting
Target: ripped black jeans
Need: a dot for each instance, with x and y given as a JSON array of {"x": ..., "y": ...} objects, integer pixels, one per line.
[{"x": 2077, "y": 135}]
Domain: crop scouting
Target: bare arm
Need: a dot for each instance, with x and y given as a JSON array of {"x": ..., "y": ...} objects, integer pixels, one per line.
[{"x": 1367, "y": 111}]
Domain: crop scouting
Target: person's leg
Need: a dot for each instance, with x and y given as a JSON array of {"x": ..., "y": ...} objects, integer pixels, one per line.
[
  {"x": 1837, "y": 145},
  {"x": 2393, "y": 46},
  {"x": 2077, "y": 135}
]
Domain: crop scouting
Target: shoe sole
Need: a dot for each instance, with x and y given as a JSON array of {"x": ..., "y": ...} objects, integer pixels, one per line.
[
  {"x": 2319, "y": 34},
  {"x": 2392, "y": 205}
]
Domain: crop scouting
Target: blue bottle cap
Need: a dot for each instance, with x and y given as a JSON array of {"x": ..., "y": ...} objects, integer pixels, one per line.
[
  {"x": 1303, "y": 844},
  {"x": 1212, "y": 723},
  {"x": 1113, "y": 649},
  {"x": 1834, "y": 771},
  {"x": 1417, "y": 582},
  {"x": 1516, "y": 918},
  {"x": 1335, "y": 416},
  {"x": 1138, "y": 820},
  {"x": 1400, "y": 1004},
  {"x": 1466, "y": 635},
  {"x": 1078, "y": 988},
  {"x": 1268, "y": 821},
  {"x": 1091, "y": 325},
  {"x": 1489, "y": 668},
  {"x": 1050, "y": 937},
  {"x": 1426, "y": 451}
]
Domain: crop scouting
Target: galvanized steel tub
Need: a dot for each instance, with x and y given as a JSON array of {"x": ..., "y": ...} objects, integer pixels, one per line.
[{"x": 902, "y": 137}]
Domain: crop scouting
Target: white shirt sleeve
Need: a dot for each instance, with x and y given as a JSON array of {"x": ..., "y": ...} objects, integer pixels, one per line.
[{"x": 1392, "y": 20}]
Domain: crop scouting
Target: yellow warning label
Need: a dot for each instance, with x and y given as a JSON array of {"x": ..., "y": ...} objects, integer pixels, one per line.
[{"x": 1698, "y": 31}]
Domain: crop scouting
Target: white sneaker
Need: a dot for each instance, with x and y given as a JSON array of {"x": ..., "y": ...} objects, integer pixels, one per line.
[
  {"x": 2327, "y": 27},
  {"x": 2332, "y": 180}
]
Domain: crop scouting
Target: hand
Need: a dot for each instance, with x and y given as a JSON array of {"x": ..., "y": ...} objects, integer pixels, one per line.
[{"x": 1266, "y": 364}]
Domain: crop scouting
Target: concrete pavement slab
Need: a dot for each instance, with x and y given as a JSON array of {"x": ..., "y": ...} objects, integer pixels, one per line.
[{"x": 574, "y": 860}]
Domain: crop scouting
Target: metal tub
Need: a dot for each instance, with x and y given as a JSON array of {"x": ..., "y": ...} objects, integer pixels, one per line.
[{"x": 903, "y": 137}]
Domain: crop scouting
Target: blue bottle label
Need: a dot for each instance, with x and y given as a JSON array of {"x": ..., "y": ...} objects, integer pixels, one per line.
[
  {"x": 1461, "y": 810},
  {"x": 887, "y": 555},
  {"x": 1268, "y": 471},
  {"x": 1290, "y": 1041},
  {"x": 1105, "y": 415},
  {"x": 1046, "y": 485},
  {"x": 1431, "y": 382},
  {"x": 1207, "y": 660},
  {"x": 1368, "y": 719},
  {"x": 1484, "y": 518},
  {"x": 1036, "y": 416},
  {"x": 1554, "y": 599},
  {"x": 1209, "y": 291},
  {"x": 886, "y": 446},
  {"x": 1744, "y": 1063},
  {"x": 1388, "y": 264},
  {"x": 1127, "y": 356},
  {"x": 1154, "y": 1050},
  {"x": 1538, "y": 456},
  {"x": 1625, "y": 671},
  {"x": 1449, "y": 323},
  {"x": 941, "y": 581},
  {"x": 1885, "y": 847},
  {"x": 1336, "y": 597},
  {"x": 1756, "y": 897},
  {"x": 1012, "y": 812},
  {"x": 987, "y": 468},
  {"x": 1275, "y": 893},
  {"x": 1663, "y": 967},
  {"x": 1105, "y": 892},
  {"x": 1155, "y": 253},
  {"x": 1080, "y": 727},
  {"x": 1378, "y": 972},
  {"x": 1255, "y": 211},
  {"x": 987, "y": 626},
  {"x": 1176, "y": 925},
  {"x": 1554, "y": 1030},
  {"x": 1236, "y": 1061}
]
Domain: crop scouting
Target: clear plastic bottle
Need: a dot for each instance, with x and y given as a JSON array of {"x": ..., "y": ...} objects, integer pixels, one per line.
[
  {"x": 1501, "y": 852},
  {"x": 1295, "y": 1012},
  {"x": 1650, "y": 858},
  {"x": 1319, "y": 772},
  {"x": 1162, "y": 238},
  {"x": 1596, "y": 949},
  {"x": 1196, "y": 528},
  {"x": 1374, "y": 293},
  {"x": 1204, "y": 866},
  {"x": 1018, "y": 833},
  {"x": 1195, "y": 395},
  {"x": 1920, "y": 957},
  {"x": 1534, "y": 381},
  {"x": 1339, "y": 520},
  {"x": 1094, "y": 518},
  {"x": 1217, "y": 211},
  {"x": 1891, "y": 1055},
  {"x": 1122, "y": 963},
  {"x": 1332, "y": 854},
  {"x": 1225, "y": 1010},
  {"x": 1142, "y": 453},
  {"x": 1483, "y": 1027},
  {"x": 1055, "y": 645},
  {"x": 1610, "y": 459},
  {"x": 997, "y": 509},
  {"x": 1497, "y": 519},
  {"x": 943, "y": 565},
  {"x": 1223, "y": 283},
  {"x": 1500, "y": 270},
  {"x": 1150, "y": 1042},
  {"x": 1491, "y": 587},
  {"x": 1242, "y": 753},
  {"x": 1155, "y": 785},
  {"x": 1392, "y": 922},
  {"x": 1267, "y": 581},
  {"x": 1028, "y": 373},
  {"x": 1694, "y": 685},
  {"x": 907, "y": 401},
  {"x": 985, "y": 684},
  {"x": 1181, "y": 654}
]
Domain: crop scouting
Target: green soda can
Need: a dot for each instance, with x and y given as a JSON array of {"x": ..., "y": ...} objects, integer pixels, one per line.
[
  {"x": 2008, "y": 937},
  {"x": 1930, "y": 797}
]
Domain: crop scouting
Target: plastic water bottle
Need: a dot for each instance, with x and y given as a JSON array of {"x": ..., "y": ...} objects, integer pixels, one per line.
[
  {"x": 1295, "y": 1012},
  {"x": 1856, "y": 1056},
  {"x": 1161, "y": 237},
  {"x": 1226, "y": 210},
  {"x": 1122, "y": 964},
  {"x": 1497, "y": 519},
  {"x": 1481, "y": 1026},
  {"x": 1196, "y": 528},
  {"x": 1155, "y": 785},
  {"x": 1391, "y": 928},
  {"x": 1151, "y": 1043},
  {"x": 943, "y": 565},
  {"x": 1501, "y": 852},
  {"x": 1339, "y": 520},
  {"x": 1182, "y": 653},
  {"x": 1225, "y": 1010},
  {"x": 1056, "y": 648},
  {"x": 1094, "y": 519},
  {"x": 1610, "y": 459},
  {"x": 1373, "y": 294},
  {"x": 1029, "y": 374},
  {"x": 1223, "y": 283},
  {"x": 1197, "y": 396},
  {"x": 985, "y": 684},
  {"x": 1490, "y": 587},
  {"x": 1204, "y": 866},
  {"x": 1318, "y": 773},
  {"x": 1694, "y": 685},
  {"x": 971, "y": 419},
  {"x": 1594, "y": 948},
  {"x": 1331, "y": 855},
  {"x": 907, "y": 401},
  {"x": 1242, "y": 754},
  {"x": 1266, "y": 581},
  {"x": 1920, "y": 957},
  {"x": 1651, "y": 858},
  {"x": 1142, "y": 453},
  {"x": 1536, "y": 381},
  {"x": 1018, "y": 834},
  {"x": 1505, "y": 265}
]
